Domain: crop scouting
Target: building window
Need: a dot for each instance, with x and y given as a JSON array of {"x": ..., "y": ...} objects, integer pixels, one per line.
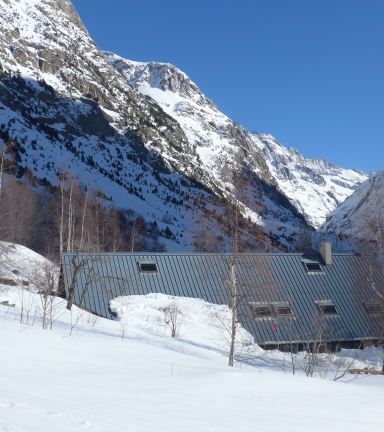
[
  {"x": 283, "y": 309},
  {"x": 326, "y": 307},
  {"x": 148, "y": 267},
  {"x": 373, "y": 307},
  {"x": 312, "y": 267},
  {"x": 262, "y": 310},
  {"x": 270, "y": 310}
]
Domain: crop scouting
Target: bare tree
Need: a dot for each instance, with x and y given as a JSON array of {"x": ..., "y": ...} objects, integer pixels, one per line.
[
  {"x": 304, "y": 238},
  {"x": 19, "y": 213},
  {"x": 44, "y": 276},
  {"x": 7, "y": 146},
  {"x": 174, "y": 316},
  {"x": 237, "y": 236},
  {"x": 78, "y": 262},
  {"x": 369, "y": 282}
]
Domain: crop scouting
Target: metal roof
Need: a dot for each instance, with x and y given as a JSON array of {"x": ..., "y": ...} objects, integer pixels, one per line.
[{"x": 261, "y": 278}]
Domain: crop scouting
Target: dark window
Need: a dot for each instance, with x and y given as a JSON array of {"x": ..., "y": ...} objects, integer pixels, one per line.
[
  {"x": 313, "y": 267},
  {"x": 373, "y": 308},
  {"x": 148, "y": 268},
  {"x": 327, "y": 308},
  {"x": 262, "y": 311},
  {"x": 284, "y": 310}
]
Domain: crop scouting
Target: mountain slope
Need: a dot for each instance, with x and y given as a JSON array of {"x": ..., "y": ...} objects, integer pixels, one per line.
[
  {"x": 142, "y": 132},
  {"x": 361, "y": 213},
  {"x": 314, "y": 186},
  {"x": 219, "y": 143},
  {"x": 68, "y": 109}
]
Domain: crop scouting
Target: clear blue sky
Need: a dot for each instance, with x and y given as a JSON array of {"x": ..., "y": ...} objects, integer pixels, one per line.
[{"x": 308, "y": 72}]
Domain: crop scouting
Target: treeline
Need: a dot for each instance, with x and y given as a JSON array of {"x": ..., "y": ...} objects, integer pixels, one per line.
[{"x": 69, "y": 218}]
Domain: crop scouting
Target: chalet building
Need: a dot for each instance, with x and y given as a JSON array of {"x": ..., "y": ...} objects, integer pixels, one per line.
[{"x": 314, "y": 297}]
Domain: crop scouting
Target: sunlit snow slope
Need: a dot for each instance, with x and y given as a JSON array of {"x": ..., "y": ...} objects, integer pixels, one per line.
[
  {"x": 70, "y": 110},
  {"x": 314, "y": 186},
  {"x": 361, "y": 216}
]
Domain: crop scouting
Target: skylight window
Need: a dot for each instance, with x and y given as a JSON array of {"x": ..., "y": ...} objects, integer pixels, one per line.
[
  {"x": 327, "y": 308},
  {"x": 148, "y": 267},
  {"x": 373, "y": 307},
  {"x": 313, "y": 267},
  {"x": 270, "y": 310},
  {"x": 262, "y": 310},
  {"x": 283, "y": 309}
]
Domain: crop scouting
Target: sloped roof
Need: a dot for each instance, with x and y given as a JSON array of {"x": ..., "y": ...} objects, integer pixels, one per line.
[{"x": 261, "y": 278}]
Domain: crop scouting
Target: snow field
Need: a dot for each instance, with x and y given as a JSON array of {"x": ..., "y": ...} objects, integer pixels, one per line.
[{"x": 92, "y": 380}]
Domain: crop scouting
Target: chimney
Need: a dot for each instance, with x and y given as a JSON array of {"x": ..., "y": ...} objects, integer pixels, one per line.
[{"x": 326, "y": 252}]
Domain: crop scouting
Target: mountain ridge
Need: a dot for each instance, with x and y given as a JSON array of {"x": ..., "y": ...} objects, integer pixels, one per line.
[
  {"x": 321, "y": 186},
  {"x": 143, "y": 132}
]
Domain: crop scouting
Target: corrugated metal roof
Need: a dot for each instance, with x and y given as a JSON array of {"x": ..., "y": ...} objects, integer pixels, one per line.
[{"x": 261, "y": 278}]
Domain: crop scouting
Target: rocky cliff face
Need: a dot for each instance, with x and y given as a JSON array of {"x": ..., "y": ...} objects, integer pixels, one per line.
[
  {"x": 71, "y": 111},
  {"x": 314, "y": 186},
  {"x": 220, "y": 143},
  {"x": 46, "y": 40}
]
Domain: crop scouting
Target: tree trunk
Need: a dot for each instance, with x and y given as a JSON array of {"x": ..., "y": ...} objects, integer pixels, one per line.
[
  {"x": 133, "y": 236},
  {"x": 83, "y": 221},
  {"x": 62, "y": 216},
  {"x": 70, "y": 216},
  {"x": 77, "y": 268},
  {"x": 234, "y": 315}
]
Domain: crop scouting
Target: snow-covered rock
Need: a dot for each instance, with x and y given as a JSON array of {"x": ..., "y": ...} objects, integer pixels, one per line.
[
  {"x": 69, "y": 109},
  {"x": 314, "y": 186},
  {"x": 358, "y": 216},
  {"x": 144, "y": 133}
]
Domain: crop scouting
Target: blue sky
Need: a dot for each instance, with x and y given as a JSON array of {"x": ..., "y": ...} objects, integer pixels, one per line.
[{"x": 308, "y": 72}]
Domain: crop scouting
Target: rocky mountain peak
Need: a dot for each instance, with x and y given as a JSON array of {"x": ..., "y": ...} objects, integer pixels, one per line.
[{"x": 163, "y": 76}]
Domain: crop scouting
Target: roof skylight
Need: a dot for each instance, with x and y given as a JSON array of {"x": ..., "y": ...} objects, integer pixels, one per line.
[
  {"x": 327, "y": 307},
  {"x": 313, "y": 267},
  {"x": 148, "y": 267},
  {"x": 272, "y": 309},
  {"x": 373, "y": 307},
  {"x": 262, "y": 310}
]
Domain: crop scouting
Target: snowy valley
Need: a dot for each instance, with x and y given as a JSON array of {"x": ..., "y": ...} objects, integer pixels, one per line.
[{"x": 100, "y": 154}]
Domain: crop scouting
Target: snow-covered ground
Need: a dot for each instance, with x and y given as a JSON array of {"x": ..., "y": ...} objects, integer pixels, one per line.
[{"x": 89, "y": 373}]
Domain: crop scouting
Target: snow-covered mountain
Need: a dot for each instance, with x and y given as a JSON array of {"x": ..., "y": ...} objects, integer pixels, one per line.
[
  {"x": 314, "y": 186},
  {"x": 142, "y": 132},
  {"x": 221, "y": 144},
  {"x": 68, "y": 109},
  {"x": 360, "y": 215}
]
